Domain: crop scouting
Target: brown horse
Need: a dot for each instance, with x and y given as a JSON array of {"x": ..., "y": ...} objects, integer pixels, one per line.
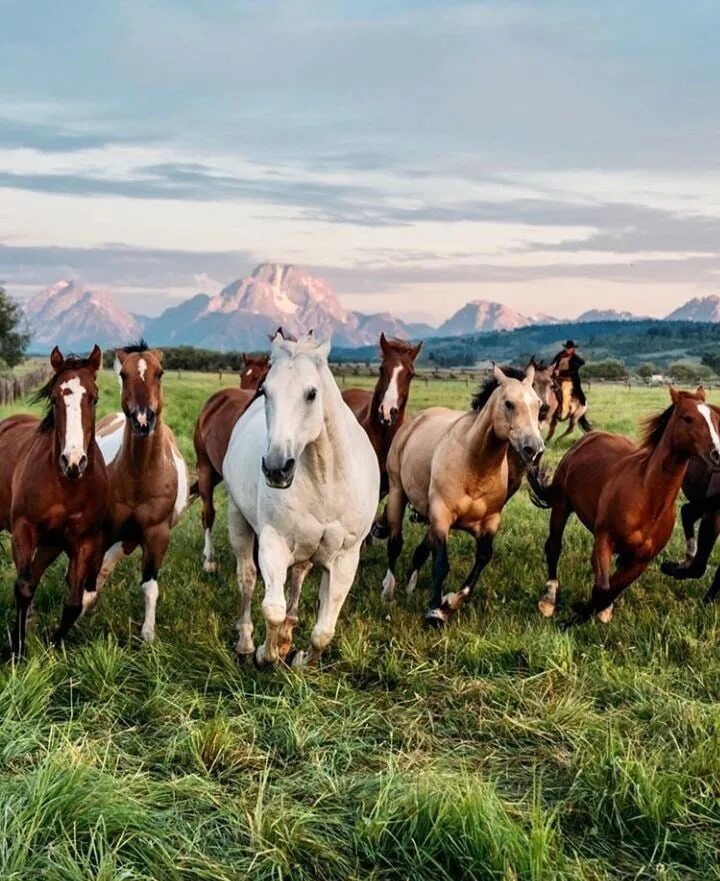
[
  {"x": 148, "y": 476},
  {"x": 553, "y": 412},
  {"x": 452, "y": 467},
  {"x": 381, "y": 412},
  {"x": 624, "y": 493},
  {"x": 211, "y": 438},
  {"x": 54, "y": 490}
]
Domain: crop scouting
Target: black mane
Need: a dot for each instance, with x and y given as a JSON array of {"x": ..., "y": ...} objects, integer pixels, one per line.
[
  {"x": 482, "y": 395},
  {"x": 44, "y": 393},
  {"x": 135, "y": 348}
]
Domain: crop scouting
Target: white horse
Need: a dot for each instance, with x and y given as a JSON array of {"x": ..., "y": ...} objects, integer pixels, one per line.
[{"x": 303, "y": 477}]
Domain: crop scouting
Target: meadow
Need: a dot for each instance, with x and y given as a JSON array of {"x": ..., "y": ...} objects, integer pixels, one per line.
[{"x": 500, "y": 748}]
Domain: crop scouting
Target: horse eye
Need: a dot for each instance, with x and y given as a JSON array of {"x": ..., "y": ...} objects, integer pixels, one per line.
[
  {"x": 509, "y": 405},
  {"x": 311, "y": 395}
]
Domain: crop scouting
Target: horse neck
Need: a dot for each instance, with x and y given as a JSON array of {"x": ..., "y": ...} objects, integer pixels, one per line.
[
  {"x": 486, "y": 449},
  {"x": 664, "y": 471},
  {"x": 329, "y": 455},
  {"x": 138, "y": 452}
]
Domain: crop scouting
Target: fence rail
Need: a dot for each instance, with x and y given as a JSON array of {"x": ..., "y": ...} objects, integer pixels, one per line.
[{"x": 15, "y": 387}]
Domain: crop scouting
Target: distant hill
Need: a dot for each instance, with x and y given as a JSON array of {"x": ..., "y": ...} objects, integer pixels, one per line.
[
  {"x": 608, "y": 315},
  {"x": 697, "y": 309}
]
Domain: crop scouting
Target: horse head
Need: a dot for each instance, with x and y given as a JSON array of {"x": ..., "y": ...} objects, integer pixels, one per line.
[
  {"x": 294, "y": 404},
  {"x": 516, "y": 413},
  {"x": 71, "y": 395},
  {"x": 543, "y": 385},
  {"x": 693, "y": 426},
  {"x": 140, "y": 370},
  {"x": 255, "y": 368},
  {"x": 397, "y": 369}
]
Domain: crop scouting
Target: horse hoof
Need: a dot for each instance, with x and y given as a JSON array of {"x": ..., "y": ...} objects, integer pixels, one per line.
[
  {"x": 412, "y": 582},
  {"x": 605, "y": 615},
  {"x": 436, "y": 618},
  {"x": 299, "y": 659},
  {"x": 547, "y": 608},
  {"x": 148, "y": 635},
  {"x": 244, "y": 659},
  {"x": 380, "y": 531},
  {"x": 210, "y": 566},
  {"x": 388, "y": 591},
  {"x": 259, "y": 659}
]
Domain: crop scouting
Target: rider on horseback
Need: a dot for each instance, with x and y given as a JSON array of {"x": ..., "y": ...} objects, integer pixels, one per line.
[{"x": 566, "y": 368}]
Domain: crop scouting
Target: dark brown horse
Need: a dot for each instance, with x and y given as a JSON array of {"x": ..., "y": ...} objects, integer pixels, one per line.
[
  {"x": 149, "y": 485},
  {"x": 381, "y": 411},
  {"x": 211, "y": 438},
  {"x": 624, "y": 493},
  {"x": 54, "y": 490},
  {"x": 702, "y": 490}
]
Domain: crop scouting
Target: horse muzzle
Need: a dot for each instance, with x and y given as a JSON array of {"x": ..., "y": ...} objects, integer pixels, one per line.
[
  {"x": 278, "y": 476},
  {"x": 73, "y": 465},
  {"x": 530, "y": 449},
  {"x": 389, "y": 417},
  {"x": 143, "y": 422}
]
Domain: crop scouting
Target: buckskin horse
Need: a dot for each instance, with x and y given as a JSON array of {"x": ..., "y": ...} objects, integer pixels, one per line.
[
  {"x": 54, "y": 490},
  {"x": 452, "y": 467},
  {"x": 303, "y": 481},
  {"x": 148, "y": 476},
  {"x": 625, "y": 494}
]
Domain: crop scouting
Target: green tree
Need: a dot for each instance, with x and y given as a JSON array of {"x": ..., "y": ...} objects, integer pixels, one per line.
[
  {"x": 683, "y": 372},
  {"x": 646, "y": 370},
  {"x": 14, "y": 338},
  {"x": 609, "y": 369}
]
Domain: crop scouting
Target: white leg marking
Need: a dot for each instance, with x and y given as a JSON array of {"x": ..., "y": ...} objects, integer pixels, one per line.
[
  {"x": 690, "y": 551},
  {"x": 112, "y": 557},
  {"x": 546, "y": 603},
  {"x": 388, "y": 591},
  {"x": 412, "y": 582},
  {"x": 209, "y": 564},
  {"x": 606, "y": 615},
  {"x": 150, "y": 589}
]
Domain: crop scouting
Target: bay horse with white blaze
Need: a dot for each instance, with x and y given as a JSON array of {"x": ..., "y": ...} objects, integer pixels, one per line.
[
  {"x": 303, "y": 480},
  {"x": 452, "y": 467},
  {"x": 149, "y": 486},
  {"x": 54, "y": 490},
  {"x": 211, "y": 438},
  {"x": 625, "y": 494},
  {"x": 381, "y": 412}
]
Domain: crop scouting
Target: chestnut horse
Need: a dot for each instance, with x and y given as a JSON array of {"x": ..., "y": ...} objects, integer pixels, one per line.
[
  {"x": 381, "y": 412},
  {"x": 624, "y": 493},
  {"x": 54, "y": 490},
  {"x": 452, "y": 467},
  {"x": 148, "y": 476},
  {"x": 211, "y": 438}
]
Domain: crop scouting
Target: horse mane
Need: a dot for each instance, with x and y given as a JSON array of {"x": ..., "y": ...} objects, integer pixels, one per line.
[
  {"x": 44, "y": 393},
  {"x": 654, "y": 428},
  {"x": 483, "y": 394},
  {"x": 539, "y": 365},
  {"x": 135, "y": 348},
  {"x": 403, "y": 346}
]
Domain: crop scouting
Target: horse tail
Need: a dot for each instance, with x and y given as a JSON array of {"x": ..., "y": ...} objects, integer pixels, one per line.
[
  {"x": 542, "y": 492},
  {"x": 584, "y": 424}
]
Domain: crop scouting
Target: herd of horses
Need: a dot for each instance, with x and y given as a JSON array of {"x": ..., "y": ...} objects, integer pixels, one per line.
[{"x": 305, "y": 467}]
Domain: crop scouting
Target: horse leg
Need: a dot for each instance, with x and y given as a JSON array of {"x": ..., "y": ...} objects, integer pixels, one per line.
[
  {"x": 553, "y": 549},
  {"x": 483, "y": 554},
  {"x": 275, "y": 559},
  {"x": 154, "y": 547},
  {"x": 420, "y": 555},
  {"x": 208, "y": 479},
  {"x": 395, "y": 510},
  {"x": 714, "y": 588},
  {"x": 82, "y": 574},
  {"x": 112, "y": 557},
  {"x": 24, "y": 543},
  {"x": 572, "y": 422},
  {"x": 553, "y": 427},
  {"x": 44, "y": 557},
  {"x": 298, "y": 574},
  {"x": 334, "y": 588},
  {"x": 436, "y": 615},
  {"x": 695, "y": 566},
  {"x": 242, "y": 541}
]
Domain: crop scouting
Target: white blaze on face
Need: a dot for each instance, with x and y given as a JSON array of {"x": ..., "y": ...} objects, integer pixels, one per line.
[
  {"x": 142, "y": 368},
  {"x": 705, "y": 413},
  {"x": 391, "y": 398},
  {"x": 248, "y": 372},
  {"x": 72, "y": 392}
]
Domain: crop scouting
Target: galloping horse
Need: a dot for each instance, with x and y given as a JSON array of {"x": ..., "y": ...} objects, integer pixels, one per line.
[
  {"x": 211, "y": 438},
  {"x": 624, "y": 493},
  {"x": 381, "y": 412},
  {"x": 54, "y": 490},
  {"x": 571, "y": 411},
  {"x": 452, "y": 467},
  {"x": 303, "y": 480},
  {"x": 148, "y": 476}
]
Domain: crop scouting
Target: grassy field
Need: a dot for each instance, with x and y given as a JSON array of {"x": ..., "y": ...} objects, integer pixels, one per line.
[{"x": 499, "y": 749}]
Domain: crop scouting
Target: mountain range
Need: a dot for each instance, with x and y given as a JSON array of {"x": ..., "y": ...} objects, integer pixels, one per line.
[{"x": 244, "y": 312}]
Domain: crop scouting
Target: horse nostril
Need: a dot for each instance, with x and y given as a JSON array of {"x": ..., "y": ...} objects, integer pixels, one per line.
[
  {"x": 64, "y": 462},
  {"x": 288, "y": 467},
  {"x": 82, "y": 464},
  {"x": 531, "y": 452}
]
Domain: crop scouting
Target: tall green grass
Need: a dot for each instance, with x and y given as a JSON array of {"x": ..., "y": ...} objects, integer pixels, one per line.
[{"x": 498, "y": 749}]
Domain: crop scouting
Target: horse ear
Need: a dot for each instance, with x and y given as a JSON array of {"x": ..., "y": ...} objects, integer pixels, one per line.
[
  {"x": 159, "y": 354},
  {"x": 57, "y": 359},
  {"x": 383, "y": 343},
  {"x": 700, "y": 392},
  {"x": 674, "y": 394},
  {"x": 244, "y": 356},
  {"x": 95, "y": 359},
  {"x": 529, "y": 374},
  {"x": 120, "y": 356},
  {"x": 323, "y": 350},
  {"x": 415, "y": 351},
  {"x": 498, "y": 374}
]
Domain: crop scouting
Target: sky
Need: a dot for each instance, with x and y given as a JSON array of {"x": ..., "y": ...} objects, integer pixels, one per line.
[{"x": 554, "y": 156}]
